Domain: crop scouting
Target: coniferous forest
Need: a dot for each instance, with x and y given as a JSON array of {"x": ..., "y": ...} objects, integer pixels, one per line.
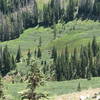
[
  {"x": 17, "y": 15},
  {"x": 49, "y": 48}
]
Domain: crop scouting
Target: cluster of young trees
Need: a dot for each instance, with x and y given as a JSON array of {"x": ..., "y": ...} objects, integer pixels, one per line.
[
  {"x": 7, "y": 61},
  {"x": 83, "y": 63}
]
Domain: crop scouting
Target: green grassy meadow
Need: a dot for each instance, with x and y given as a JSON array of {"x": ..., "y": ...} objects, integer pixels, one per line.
[
  {"x": 74, "y": 34},
  {"x": 52, "y": 88}
]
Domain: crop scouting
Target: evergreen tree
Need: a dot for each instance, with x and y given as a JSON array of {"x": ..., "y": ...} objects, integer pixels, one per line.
[
  {"x": 35, "y": 79},
  {"x": 70, "y": 10},
  {"x": 6, "y": 61},
  {"x": 1, "y": 88},
  {"x": 79, "y": 87},
  {"x": 18, "y": 56},
  {"x": 94, "y": 46},
  {"x": 35, "y": 53},
  {"x": 67, "y": 60},
  {"x": 54, "y": 31},
  {"x": 40, "y": 41},
  {"x": 1, "y": 59},
  {"x": 89, "y": 75},
  {"x": 75, "y": 63},
  {"x": 13, "y": 63},
  {"x": 98, "y": 64},
  {"x": 90, "y": 69},
  {"x": 39, "y": 54},
  {"x": 84, "y": 61},
  {"x": 35, "y": 12},
  {"x": 66, "y": 53},
  {"x": 28, "y": 57},
  {"x": 54, "y": 54}
]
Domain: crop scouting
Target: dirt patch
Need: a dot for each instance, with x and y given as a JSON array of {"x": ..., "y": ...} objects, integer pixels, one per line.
[{"x": 76, "y": 95}]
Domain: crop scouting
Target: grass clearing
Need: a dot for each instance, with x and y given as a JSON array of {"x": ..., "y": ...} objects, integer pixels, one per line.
[{"x": 53, "y": 88}]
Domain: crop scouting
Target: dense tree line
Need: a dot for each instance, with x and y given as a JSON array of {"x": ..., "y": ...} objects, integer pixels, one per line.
[
  {"x": 7, "y": 61},
  {"x": 56, "y": 10},
  {"x": 17, "y": 15},
  {"x": 89, "y": 8},
  {"x": 13, "y": 5},
  {"x": 81, "y": 63}
]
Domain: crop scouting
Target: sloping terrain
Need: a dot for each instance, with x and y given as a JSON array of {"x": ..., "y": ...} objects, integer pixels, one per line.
[{"x": 75, "y": 34}]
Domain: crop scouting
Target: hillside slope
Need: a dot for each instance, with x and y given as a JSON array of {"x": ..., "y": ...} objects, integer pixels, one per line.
[{"x": 74, "y": 34}]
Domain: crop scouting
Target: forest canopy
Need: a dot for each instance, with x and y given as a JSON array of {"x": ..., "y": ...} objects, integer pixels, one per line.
[{"x": 17, "y": 15}]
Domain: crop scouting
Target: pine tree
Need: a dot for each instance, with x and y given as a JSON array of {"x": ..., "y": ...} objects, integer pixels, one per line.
[
  {"x": 75, "y": 63},
  {"x": 1, "y": 59},
  {"x": 39, "y": 54},
  {"x": 1, "y": 89},
  {"x": 84, "y": 61},
  {"x": 35, "y": 12},
  {"x": 35, "y": 53},
  {"x": 6, "y": 61},
  {"x": 35, "y": 79},
  {"x": 13, "y": 63},
  {"x": 28, "y": 57},
  {"x": 40, "y": 41},
  {"x": 90, "y": 69},
  {"x": 54, "y": 54},
  {"x": 89, "y": 75},
  {"x": 54, "y": 31},
  {"x": 70, "y": 10},
  {"x": 79, "y": 87},
  {"x": 98, "y": 64},
  {"x": 18, "y": 56},
  {"x": 66, "y": 53},
  {"x": 94, "y": 46}
]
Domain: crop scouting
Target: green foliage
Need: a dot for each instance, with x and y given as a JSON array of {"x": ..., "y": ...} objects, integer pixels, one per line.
[
  {"x": 35, "y": 79},
  {"x": 13, "y": 63},
  {"x": 40, "y": 42},
  {"x": 89, "y": 75},
  {"x": 77, "y": 65},
  {"x": 18, "y": 56},
  {"x": 94, "y": 47},
  {"x": 70, "y": 10},
  {"x": 79, "y": 87},
  {"x": 12, "y": 24},
  {"x": 29, "y": 57},
  {"x": 39, "y": 54},
  {"x": 1, "y": 88},
  {"x": 7, "y": 62},
  {"x": 54, "y": 54}
]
